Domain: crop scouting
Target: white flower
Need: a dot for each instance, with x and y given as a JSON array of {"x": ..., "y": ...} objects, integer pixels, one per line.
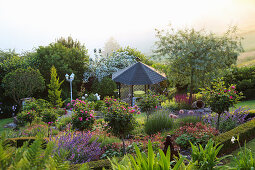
[
  {"x": 86, "y": 95},
  {"x": 83, "y": 98},
  {"x": 233, "y": 139}
]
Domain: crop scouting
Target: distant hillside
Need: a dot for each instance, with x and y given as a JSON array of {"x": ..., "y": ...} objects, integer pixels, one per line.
[{"x": 248, "y": 57}]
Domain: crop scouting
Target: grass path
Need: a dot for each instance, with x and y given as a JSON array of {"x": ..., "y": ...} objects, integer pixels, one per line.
[{"x": 250, "y": 104}]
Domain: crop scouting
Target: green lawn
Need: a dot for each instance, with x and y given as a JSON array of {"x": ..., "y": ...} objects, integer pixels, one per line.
[
  {"x": 4, "y": 122},
  {"x": 250, "y": 104}
]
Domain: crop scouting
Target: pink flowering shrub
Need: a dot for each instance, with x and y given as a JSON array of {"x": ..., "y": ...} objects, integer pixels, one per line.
[
  {"x": 83, "y": 117},
  {"x": 26, "y": 116}
]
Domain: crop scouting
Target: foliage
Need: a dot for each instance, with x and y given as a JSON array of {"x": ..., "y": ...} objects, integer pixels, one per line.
[
  {"x": 35, "y": 129},
  {"x": 157, "y": 122},
  {"x": 62, "y": 122},
  {"x": 170, "y": 105},
  {"x": 150, "y": 101},
  {"x": 228, "y": 120},
  {"x": 36, "y": 104},
  {"x": 26, "y": 116},
  {"x": 106, "y": 66},
  {"x": 143, "y": 161},
  {"x": 194, "y": 133},
  {"x": 49, "y": 116},
  {"x": 136, "y": 53},
  {"x": 99, "y": 105},
  {"x": 79, "y": 146},
  {"x": 114, "y": 149},
  {"x": 83, "y": 118},
  {"x": 68, "y": 56},
  {"x": 246, "y": 132},
  {"x": 196, "y": 56},
  {"x": 23, "y": 83},
  {"x": 32, "y": 156},
  {"x": 187, "y": 119},
  {"x": 109, "y": 47},
  {"x": 119, "y": 117},
  {"x": 220, "y": 98},
  {"x": 54, "y": 92},
  {"x": 244, "y": 158},
  {"x": 107, "y": 87},
  {"x": 206, "y": 158},
  {"x": 244, "y": 78}
]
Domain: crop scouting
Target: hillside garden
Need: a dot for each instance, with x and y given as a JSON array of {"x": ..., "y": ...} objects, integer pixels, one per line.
[{"x": 202, "y": 113}]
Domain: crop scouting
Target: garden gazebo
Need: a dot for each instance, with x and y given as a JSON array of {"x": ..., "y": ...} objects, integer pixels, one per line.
[{"x": 137, "y": 74}]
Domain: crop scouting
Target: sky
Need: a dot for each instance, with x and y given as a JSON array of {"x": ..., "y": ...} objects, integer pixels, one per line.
[{"x": 27, "y": 24}]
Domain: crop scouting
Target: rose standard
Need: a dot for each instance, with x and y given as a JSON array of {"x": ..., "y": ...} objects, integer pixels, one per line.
[{"x": 220, "y": 98}]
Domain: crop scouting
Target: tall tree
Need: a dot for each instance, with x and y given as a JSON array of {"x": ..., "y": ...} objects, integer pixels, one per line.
[
  {"x": 110, "y": 46},
  {"x": 197, "y": 55},
  {"x": 54, "y": 89},
  {"x": 23, "y": 83},
  {"x": 67, "y": 56}
]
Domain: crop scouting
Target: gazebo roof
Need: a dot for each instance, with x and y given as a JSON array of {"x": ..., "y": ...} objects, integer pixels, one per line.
[{"x": 138, "y": 74}]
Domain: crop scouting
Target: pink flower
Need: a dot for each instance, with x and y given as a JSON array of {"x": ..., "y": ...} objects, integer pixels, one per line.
[
  {"x": 181, "y": 111},
  {"x": 71, "y": 109},
  {"x": 156, "y": 107},
  {"x": 87, "y": 119},
  {"x": 231, "y": 97},
  {"x": 82, "y": 111},
  {"x": 233, "y": 87},
  {"x": 190, "y": 112},
  {"x": 218, "y": 93},
  {"x": 68, "y": 104},
  {"x": 80, "y": 118},
  {"x": 115, "y": 100},
  {"x": 138, "y": 112}
]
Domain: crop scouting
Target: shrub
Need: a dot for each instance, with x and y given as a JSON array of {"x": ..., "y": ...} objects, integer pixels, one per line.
[
  {"x": 188, "y": 119},
  {"x": 221, "y": 98},
  {"x": 62, "y": 122},
  {"x": 119, "y": 118},
  {"x": 246, "y": 132},
  {"x": 194, "y": 133},
  {"x": 150, "y": 101},
  {"x": 228, "y": 120},
  {"x": 157, "y": 122},
  {"x": 79, "y": 146},
  {"x": 36, "y": 104},
  {"x": 99, "y": 105},
  {"x": 26, "y": 116},
  {"x": 170, "y": 105},
  {"x": 49, "y": 116},
  {"x": 54, "y": 91},
  {"x": 83, "y": 118},
  {"x": 36, "y": 129},
  {"x": 107, "y": 87}
]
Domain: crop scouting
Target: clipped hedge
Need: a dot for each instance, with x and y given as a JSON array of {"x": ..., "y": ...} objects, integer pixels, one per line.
[
  {"x": 251, "y": 114},
  {"x": 18, "y": 142},
  {"x": 245, "y": 131},
  {"x": 96, "y": 165}
]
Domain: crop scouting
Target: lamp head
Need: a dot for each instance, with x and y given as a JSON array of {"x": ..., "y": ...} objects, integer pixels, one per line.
[
  {"x": 72, "y": 76},
  {"x": 67, "y": 76}
]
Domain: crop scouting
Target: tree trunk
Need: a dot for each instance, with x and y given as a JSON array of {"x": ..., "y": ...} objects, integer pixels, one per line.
[{"x": 124, "y": 148}]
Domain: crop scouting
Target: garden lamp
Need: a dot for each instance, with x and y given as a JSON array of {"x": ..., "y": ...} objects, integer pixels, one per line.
[{"x": 70, "y": 80}]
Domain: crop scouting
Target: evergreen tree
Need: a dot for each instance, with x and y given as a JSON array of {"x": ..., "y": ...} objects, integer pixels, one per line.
[{"x": 53, "y": 91}]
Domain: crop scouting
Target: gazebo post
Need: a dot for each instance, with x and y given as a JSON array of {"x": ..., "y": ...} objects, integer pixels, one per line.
[
  {"x": 132, "y": 94},
  {"x": 119, "y": 89}
]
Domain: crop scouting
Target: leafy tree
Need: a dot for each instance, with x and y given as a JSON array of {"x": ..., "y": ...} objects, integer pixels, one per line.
[
  {"x": 54, "y": 91},
  {"x": 68, "y": 56},
  {"x": 196, "y": 56},
  {"x": 137, "y": 54},
  {"x": 23, "y": 83},
  {"x": 106, "y": 66}
]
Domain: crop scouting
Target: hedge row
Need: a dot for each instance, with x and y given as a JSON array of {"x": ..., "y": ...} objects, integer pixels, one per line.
[{"x": 245, "y": 131}]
